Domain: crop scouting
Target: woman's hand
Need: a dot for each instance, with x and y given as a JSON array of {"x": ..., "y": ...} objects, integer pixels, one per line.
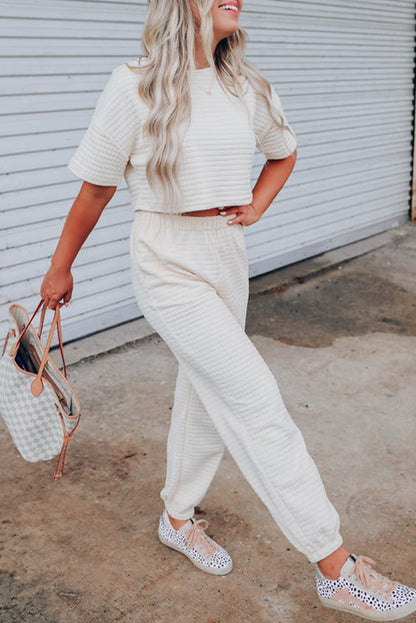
[
  {"x": 271, "y": 180},
  {"x": 56, "y": 285},
  {"x": 245, "y": 214}
]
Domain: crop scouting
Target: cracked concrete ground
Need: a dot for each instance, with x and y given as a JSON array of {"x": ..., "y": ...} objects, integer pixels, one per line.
[{"x": 85, "y": 550}]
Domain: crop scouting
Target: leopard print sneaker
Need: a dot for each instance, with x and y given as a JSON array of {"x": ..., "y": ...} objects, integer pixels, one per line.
[
  {"x": 190, "y": 539},
  {"x": 362, "y": 591}
]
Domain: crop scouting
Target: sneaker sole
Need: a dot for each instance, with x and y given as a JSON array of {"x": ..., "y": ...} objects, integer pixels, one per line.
[
  {"x": 374, "y": 615},
  {"x": 212, "y": 570}
]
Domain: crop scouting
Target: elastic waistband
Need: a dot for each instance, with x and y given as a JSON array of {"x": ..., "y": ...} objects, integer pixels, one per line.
[{"x": 180, "y": 222}]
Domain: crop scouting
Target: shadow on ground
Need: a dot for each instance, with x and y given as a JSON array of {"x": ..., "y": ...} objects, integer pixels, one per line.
[{"x": 375, "y": 293}]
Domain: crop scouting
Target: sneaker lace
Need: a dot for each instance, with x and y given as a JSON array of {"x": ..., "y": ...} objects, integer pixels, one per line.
[
  {"x": 370, "y": 578},
  {"x": 196, "y": 536}
]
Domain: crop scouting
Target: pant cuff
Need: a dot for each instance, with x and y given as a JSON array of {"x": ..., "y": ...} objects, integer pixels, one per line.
[{"x": 319, "y": 554}]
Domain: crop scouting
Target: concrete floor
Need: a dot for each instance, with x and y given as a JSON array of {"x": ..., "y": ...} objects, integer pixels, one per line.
[{"x": 342, "y": 346}]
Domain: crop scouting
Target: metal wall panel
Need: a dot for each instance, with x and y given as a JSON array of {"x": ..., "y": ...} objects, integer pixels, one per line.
[
  {"x": 56, "y": 57},
  {"x": 343, "y": 69}
]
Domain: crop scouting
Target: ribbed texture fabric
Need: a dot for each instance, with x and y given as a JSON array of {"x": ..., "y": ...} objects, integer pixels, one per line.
[
  {"x": 218, "y": 146},
  {"x": 108, "y": 168},
  {"x": 190, "y": 276}
]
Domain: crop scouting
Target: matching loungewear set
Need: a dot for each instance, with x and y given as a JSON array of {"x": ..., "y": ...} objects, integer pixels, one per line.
[{"x": 190, "y": 277}]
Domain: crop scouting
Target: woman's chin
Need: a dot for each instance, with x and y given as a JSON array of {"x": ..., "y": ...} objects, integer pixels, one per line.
[{"x": 223, "y": 34}]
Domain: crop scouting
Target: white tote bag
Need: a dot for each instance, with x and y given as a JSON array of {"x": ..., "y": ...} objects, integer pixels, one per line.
[{"x": 38, "y": 405}]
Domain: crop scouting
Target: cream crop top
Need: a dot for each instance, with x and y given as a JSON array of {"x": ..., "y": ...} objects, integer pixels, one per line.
[{"x": 218, "y": 146}]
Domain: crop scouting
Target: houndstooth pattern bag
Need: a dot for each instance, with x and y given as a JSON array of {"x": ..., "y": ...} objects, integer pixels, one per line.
[{"x": 38, "y": 405}]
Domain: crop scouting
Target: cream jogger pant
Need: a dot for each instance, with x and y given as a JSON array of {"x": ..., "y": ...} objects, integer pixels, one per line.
[{"x": 190, "y": 277}]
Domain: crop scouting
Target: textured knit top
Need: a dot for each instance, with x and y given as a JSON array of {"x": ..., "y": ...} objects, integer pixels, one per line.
[{"x": 218, "y": 146}]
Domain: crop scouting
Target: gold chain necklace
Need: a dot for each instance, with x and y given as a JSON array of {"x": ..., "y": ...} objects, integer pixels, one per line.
[{"x": 209, "y": 92}]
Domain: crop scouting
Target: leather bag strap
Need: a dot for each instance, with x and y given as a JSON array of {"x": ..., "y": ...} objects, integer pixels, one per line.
[
  {"x": 37, "y": 384},
  {"x": 16, "y": 345},
  {"x": 41, "y": 321}
]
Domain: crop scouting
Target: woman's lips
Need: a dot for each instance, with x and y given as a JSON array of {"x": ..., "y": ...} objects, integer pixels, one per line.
[{"x": 233, "y": 10}]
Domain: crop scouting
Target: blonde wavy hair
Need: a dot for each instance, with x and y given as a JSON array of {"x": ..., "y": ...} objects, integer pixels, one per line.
[{"x": 168, "y": 44}]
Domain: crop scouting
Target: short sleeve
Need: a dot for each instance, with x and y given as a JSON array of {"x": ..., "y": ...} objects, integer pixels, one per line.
[
  {"x": 105, "y": 148},
  {"x": 274, "y": 142}
]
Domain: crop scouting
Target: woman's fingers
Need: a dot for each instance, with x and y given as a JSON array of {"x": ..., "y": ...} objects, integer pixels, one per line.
[
  {"x": 54, "y": 301},
  {"x": 245, "y": 214},
  {"x": 51, "y": 301},
  {"x": 231, "y": 212},
  {"x": 231, "y": 218},
  {"x": 57, "y": 286},
  {"x": 236, "y": 218},
  {"x": 67, "y": 298}
]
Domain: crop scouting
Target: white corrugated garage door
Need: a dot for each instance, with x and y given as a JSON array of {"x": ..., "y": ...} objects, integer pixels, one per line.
[
  {"x": 57, "y": 56},
  {"x": 344, "y": 72}
]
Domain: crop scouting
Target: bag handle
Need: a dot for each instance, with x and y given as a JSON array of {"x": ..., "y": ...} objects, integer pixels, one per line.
[
  {"x": 16, "y": 345},
  {"x": 37, "y": 384},
  {"x": 41, "y": 321}
]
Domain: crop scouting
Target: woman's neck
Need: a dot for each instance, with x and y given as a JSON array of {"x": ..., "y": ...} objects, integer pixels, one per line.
[{"x": 201, "y": 61}]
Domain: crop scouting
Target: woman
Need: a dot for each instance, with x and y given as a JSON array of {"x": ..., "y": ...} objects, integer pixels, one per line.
[{"x": 182, "y": 125}]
